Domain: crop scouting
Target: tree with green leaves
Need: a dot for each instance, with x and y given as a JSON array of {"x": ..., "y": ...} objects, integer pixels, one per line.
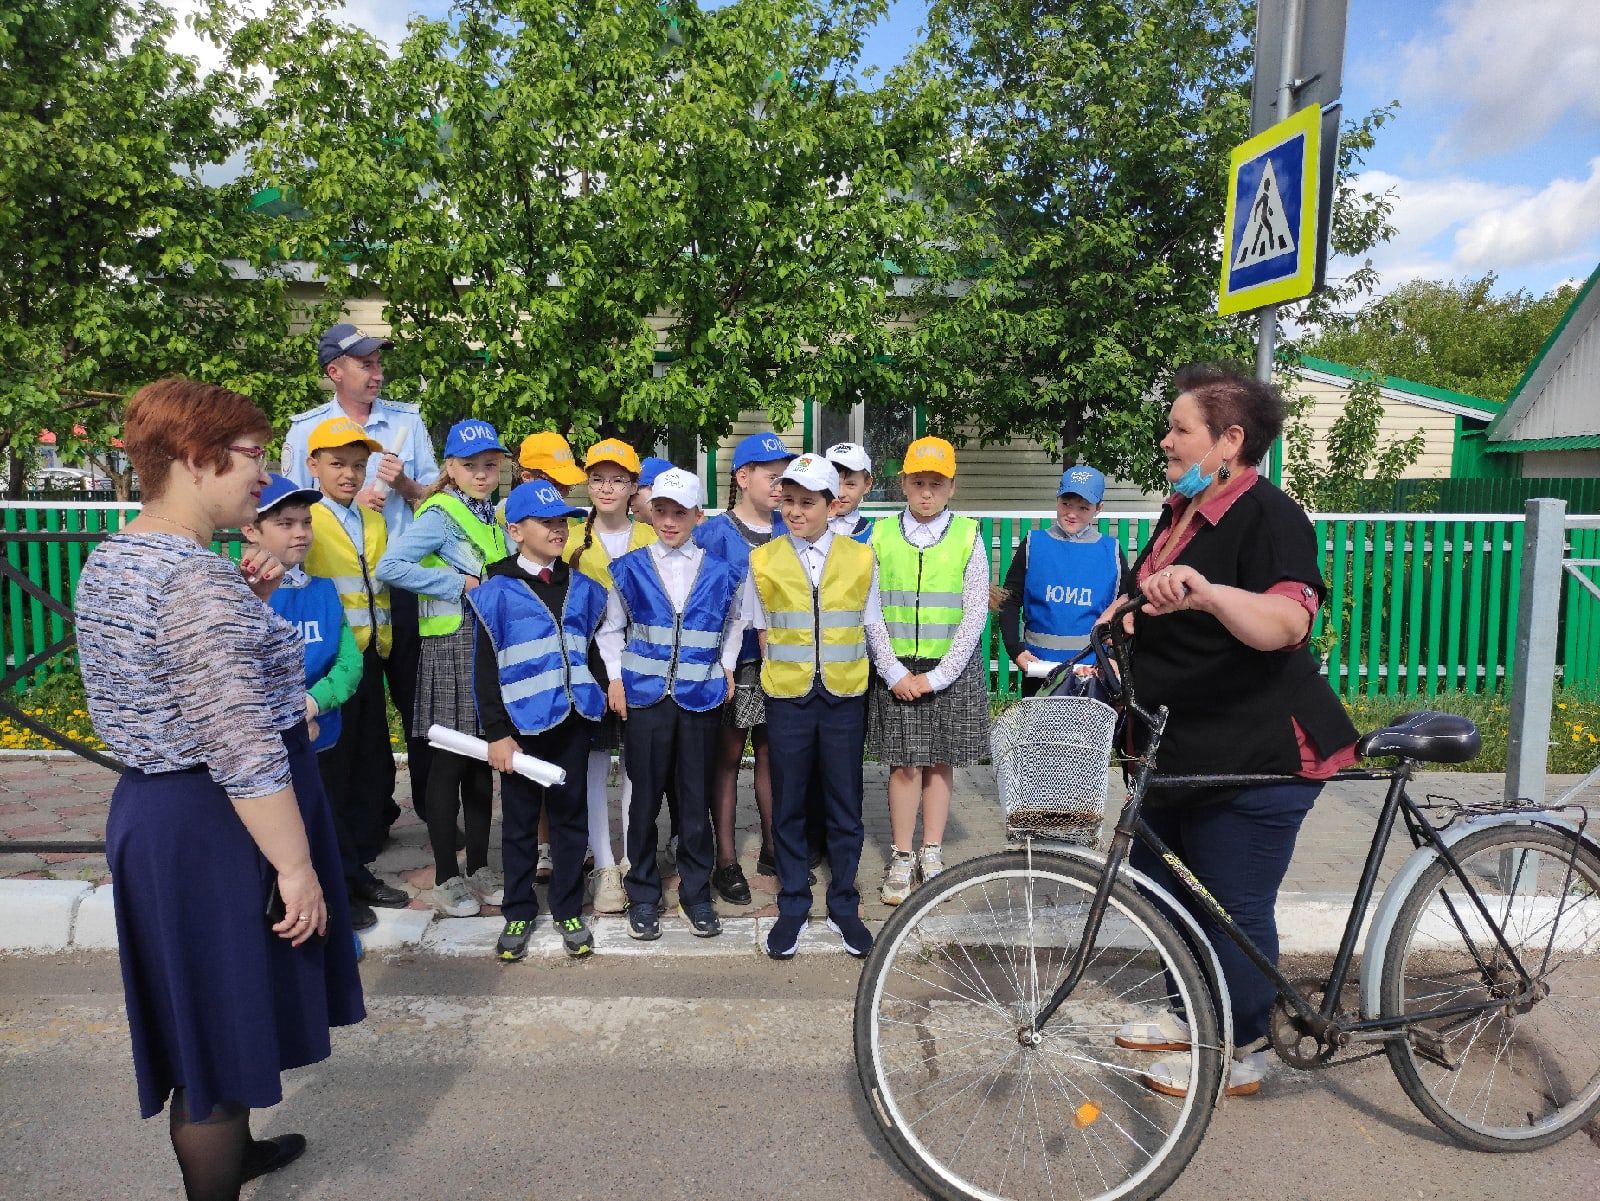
[
  {"x": 1351, "y": 467},
  {"x": 121, "y": 262}
]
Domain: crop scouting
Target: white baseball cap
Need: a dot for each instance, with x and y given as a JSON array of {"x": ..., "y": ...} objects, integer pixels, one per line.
[
  {"x": 849, "y": 456},
  {"x": 813, "y": 473},
  {"x": 679, "y": 485}
]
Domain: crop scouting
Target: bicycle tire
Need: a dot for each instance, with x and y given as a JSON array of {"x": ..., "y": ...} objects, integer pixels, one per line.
[
  {"x": 967, "y": 1024},
  {"x": 1520, "y": 1080}
]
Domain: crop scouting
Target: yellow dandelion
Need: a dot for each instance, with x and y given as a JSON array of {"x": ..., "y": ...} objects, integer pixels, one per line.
[{"x": 1561, "y": 704}]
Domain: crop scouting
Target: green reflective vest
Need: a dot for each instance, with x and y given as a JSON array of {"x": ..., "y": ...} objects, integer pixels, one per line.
[
  {"x": 434, "y": 615},
  {"x": 921, "y": 589}
]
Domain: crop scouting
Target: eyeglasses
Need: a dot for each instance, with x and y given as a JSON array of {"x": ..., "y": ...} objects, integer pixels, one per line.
[
  {"x": 609, "y": 483},
  {"x": 250, "y": 452}
]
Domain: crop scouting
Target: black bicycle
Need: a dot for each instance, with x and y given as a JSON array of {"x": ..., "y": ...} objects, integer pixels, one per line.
[{"x": 987, "y": 1013}]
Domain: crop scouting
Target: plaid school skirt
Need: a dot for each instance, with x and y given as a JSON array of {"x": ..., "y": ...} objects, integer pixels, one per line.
[
  {"x": 444, "y": 683},
  {"x": 944, "y": 727},
  {"x": 749, "y": 707}
]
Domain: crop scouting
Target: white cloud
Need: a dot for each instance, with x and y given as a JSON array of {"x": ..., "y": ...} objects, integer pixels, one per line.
[
  {"x": 1554, "y": 223},
  {"x": 383, "y": 19},
  {"x": 1511, "y": 69}
]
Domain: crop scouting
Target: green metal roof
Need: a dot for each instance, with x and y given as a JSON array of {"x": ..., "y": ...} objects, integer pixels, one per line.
[
  {"x": 1576, "y": 442},
  {"x": 1518, "y": 445},
  {"x": 1488, "y": 408}
]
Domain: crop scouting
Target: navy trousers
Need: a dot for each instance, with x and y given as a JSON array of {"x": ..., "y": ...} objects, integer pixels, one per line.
[
  {"x": 820, "y": 735},
  {"x": 667, "y": 750},
  {"x": 1240, "y": 850},
  {"x": 567, "y": 746},
  {"x": 358, "y": 770}
]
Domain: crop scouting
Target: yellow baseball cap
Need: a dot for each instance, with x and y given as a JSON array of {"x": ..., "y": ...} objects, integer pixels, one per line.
[
  {"x": 340, "y": 431},
  {"x": 550, "y": 454},
  {"x": 930, "y": 454},
  {"x": 613, "y": 450}
]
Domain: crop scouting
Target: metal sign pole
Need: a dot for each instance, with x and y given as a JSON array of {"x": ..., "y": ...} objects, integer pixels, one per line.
[{"x": 1267, "y": 335}]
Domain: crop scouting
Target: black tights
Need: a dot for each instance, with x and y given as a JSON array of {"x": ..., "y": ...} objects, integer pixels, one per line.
[
  {"x": 210, "y": 1150},
  {"x": 458, "y": 784}
]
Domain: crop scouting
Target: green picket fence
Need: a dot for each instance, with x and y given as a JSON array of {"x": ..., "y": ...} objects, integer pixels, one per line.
[{"x": 1417, "y": 604}]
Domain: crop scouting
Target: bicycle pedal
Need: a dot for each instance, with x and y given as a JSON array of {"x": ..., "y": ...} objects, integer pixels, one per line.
[{"x": 1431, "y": 1047}]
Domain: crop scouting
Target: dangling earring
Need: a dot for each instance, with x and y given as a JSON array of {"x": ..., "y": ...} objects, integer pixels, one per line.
[{"x": 1224, "y": 473}]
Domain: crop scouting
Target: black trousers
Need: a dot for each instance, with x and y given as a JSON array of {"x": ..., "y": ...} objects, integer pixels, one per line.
[
  {"x": 521, "y": 800},
  {"x": 668, "y": 748},
  {"x": 821, "y": 735},
  {"x": 358, "y": 770},
  {"x": 400, "y": 669}
]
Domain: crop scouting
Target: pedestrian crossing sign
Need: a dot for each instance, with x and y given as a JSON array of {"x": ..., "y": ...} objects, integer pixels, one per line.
[{"x": 1271, "y": 252}]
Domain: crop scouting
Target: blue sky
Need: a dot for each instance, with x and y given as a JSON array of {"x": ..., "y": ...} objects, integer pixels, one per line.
[{"x": 1493, "y": 158}]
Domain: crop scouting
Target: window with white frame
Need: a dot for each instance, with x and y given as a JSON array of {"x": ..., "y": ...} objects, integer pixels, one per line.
[{"x": 884, "y": 428}]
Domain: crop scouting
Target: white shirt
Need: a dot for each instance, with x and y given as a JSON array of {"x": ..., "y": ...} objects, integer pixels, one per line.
[
  {"x": 813, "y": 557},
  {"x": 615, "y": 541},
  {"x": 350, "y": 518},
  {"x": 534, "y": 566},
  {"x": 846, "y": 524},
  {"x": 677, "y": 567}
]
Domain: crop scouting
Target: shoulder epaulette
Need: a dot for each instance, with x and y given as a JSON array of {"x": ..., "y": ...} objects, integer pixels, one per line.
[
  {"x": 308, "y": 413},
  {"x": 400, "y": 406}
]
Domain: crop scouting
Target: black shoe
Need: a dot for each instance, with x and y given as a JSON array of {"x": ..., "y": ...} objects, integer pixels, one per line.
[
  {"x": 853, "y": 933},
  {"x": 702, "y": 919},
  {"x": 783, "y": 940},
  {"x": 265, "y": 1155},
  {"x": 730, "y": 884},
  {"x": 644, "y": 921},
  {"x": 512, "y": 944},
  {"x": 375, "y": 892},
  {"x": 765, "y": 866},
  {"x": 361, "y": 915}
]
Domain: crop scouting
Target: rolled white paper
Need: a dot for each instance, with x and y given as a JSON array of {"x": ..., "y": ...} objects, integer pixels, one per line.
[
  {"x": 457, "y": 743},
  {"x": 381, "y": 487},
  {"x": 1040, "y": 668}
]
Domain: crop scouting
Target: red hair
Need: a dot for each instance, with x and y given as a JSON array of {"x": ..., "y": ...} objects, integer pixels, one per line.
[{"x": 182, "y": 420}]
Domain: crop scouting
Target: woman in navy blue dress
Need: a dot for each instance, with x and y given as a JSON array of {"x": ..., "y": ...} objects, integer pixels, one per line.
[{"x": 199, "y": 688}]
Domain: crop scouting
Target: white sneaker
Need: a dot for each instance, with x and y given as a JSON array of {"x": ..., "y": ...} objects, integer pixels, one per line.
[
  {"x": 898, "y": 878},
  {"x": 609, "y": 896},
  {"x": 1170, "y": 1074},
  {"x": 488, "y": 886},
  {"x": 930, "y": 861},
  {"x": 1168, "y": 1032},
  {"x": 546, "y": 866},
  {"x": 454, "y": 899}
]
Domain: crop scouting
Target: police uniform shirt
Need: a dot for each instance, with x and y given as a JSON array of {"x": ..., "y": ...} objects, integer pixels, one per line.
[{"x": 389, "y": 420}]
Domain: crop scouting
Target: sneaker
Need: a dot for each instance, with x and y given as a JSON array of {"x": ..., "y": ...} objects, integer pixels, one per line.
[
  {"x": 730, "y": 884},
  {"x": 576, "y": 937},
  {"x": 898, "y": 878},
  {"x": 702, "y": 918},
  {"x": 1168, "y": 1032},
  {"x": 930, "y": 861},
  {"x": 853, "y": 934},
  {"x": 1169, "y": 1075},
  {"x": 644, "y": 921},
  {"x": 783, "y": 940},
  {"x": 488, "y": 886},
  {"x": 454, "y": 899},
  {"x": 606, "y": 885},
  {"x": 512, "y": 944},
  {"x": 546, "y": 866}
]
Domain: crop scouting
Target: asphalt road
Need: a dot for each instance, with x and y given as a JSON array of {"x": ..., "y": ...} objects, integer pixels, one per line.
[{"x": 639, "y": 1078}]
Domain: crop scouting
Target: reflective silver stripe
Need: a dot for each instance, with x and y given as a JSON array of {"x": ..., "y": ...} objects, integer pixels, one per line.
[
  {"x": 928, "y": 629},
  {"x": 576, "y": 642},
  {"x": 348, "y": 583},
  {"x": 790, "y": 654},
  {"x": 927, "y": 600},
  {"x": 699, "y": 673},
  {"x": 432, "y": 606},
  {"x": 788, "y": 621},
  {"x": 383, "y": 616},
  {"x": 840, "y": 621},
  {"x": 700, "y": 638},
  {"x": 643, "y": 665},
  {"x": 850, "y": 652},
  {"x": 1057, "y": 642},
  {"x": 660, "y": 635},
  {"x": 581, "y": 676},
  {"x": 521, "y": 690},
  {"x": 358, "y": 618},
  {"x": 524, "y": 652}
]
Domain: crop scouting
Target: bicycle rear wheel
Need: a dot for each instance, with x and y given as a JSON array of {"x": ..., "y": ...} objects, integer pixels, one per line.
[
  {"x": 1526, "y": 1074},
  {"x": 977, "y": 1103}
]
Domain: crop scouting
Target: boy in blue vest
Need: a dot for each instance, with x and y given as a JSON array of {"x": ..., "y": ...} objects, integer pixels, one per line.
[
  {"x": 333, "y": 660},
  {"x": 811, "y": 593},
  {"x": 670, "y": 642},
  {"x": 854, "y": 466},
  {"x": 1061, "y": 579},
  {"x": 540, "y": 683}
]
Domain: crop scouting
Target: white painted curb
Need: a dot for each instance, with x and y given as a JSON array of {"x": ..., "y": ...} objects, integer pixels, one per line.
[
  {"x": 96, "y": 924},
  {"x": 36, "y": 915}
]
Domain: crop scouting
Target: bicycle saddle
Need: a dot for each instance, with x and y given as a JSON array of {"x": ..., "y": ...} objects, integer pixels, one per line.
[{"x": 1427, "y": 737}]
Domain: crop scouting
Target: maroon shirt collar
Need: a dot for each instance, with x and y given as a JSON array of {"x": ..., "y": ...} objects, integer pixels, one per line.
[{"x": 1212, "y": 511}]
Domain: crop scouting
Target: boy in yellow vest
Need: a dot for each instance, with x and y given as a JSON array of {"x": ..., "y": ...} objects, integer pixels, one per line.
[
  {"x": 346, "y": 543},
  {"x": 810, "y": 594}
]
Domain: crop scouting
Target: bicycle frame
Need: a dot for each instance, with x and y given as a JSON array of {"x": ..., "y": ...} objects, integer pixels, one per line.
[{"x": 1320, "y": 1020}]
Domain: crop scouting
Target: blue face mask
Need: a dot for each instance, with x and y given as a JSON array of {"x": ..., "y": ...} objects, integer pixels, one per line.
[{"x": 1191, "y": 483}]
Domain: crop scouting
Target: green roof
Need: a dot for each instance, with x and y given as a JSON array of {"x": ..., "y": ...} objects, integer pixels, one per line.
[
  {"x": 1518, "y": 445},
  {"x": 1488, "y": 408},
  {"x": 1576, "y": 442}
]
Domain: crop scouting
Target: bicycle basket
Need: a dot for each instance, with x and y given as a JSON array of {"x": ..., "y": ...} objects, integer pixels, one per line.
[{"x": 1052, "y": 757}]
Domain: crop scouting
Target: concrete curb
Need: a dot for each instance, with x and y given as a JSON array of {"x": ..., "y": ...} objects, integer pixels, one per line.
[{"x": 61, "y": 915}]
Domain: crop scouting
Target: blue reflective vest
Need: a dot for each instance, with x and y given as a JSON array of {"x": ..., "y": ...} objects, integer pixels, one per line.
[
  {"x": 671, "y": 651},
  {"x": 315, "y": 610},
  {"x": 1069, "y": 584},
  {"x": 863, "y": 529},
  {"x": 722, "y": 538},
  {"x": 544, "y": 667}
]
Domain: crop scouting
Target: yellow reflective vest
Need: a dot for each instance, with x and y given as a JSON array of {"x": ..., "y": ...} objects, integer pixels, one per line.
[
  {"x": 813, "y": 631},
  {"x": 921, "y": 587},
  {"x": 595, "y": 562},
  {"x": 335, "y": 557}
]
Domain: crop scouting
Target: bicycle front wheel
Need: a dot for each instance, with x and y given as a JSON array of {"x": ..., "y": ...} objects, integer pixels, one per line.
[
  {"x": 977, "y": 1101},
  {"x": 1517, "y": 1076}
]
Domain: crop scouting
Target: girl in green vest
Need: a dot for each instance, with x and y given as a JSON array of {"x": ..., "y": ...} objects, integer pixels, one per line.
[
  {"x": 928, "y": 710},
  {"x": 441, "y": 557}
]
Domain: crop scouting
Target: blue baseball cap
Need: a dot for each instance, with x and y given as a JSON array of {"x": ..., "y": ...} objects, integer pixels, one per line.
[
  {"x": 650, "y": 468},
  {"x": 281, "y": 489},
  {"x": 1083, "y": 481},
  {"x": 471, "y": 437},
  {"x": 344, "y": 338},
  {"x": 760, "y": 448},
  {"x": 537, "y": 499}
]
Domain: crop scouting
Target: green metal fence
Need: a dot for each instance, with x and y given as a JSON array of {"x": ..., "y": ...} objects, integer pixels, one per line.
[{"x": 1417, "y": 604}]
